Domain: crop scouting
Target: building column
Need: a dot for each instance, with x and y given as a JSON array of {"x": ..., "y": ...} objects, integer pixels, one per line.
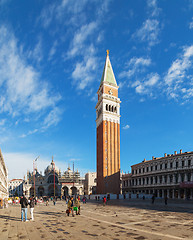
[
  {"x": 162, "y": 193},
  {"x": 185, "y": 177},
  {"x": 179, "y": 178},
  {"x": 191, "y": 179}
]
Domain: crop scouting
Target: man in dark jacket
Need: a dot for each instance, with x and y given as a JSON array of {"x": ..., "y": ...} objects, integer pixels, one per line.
[{"x": 24, "y": 203}]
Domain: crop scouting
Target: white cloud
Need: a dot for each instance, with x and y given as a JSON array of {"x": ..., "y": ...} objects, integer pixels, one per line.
[
  {"x": 179, "y": 67},
  {"x": 80, "y": 37},
  {"x": 126, "y": 127},
  {"x": 2, "y": 122},
  {"x": 37, "y": 53},
  {"x": 178, "y": 77},
  {"x": 135, "y": 65},
  {"x": 83, "y": 73},
  {"x": 191, "y": 24},
  {"x": 57, "y": 11},
  {"x": 153, "y": 8},
  {"x": 25, "y": 162},
  {"x": 147, "y": 85},
  {"x": 153, "y": 79},
  {"x": 52, "y": 118},
  {"x": 53, "y": 50},
  {"x": 149, "y": 32},
  {"x": 23, "y": 90}
]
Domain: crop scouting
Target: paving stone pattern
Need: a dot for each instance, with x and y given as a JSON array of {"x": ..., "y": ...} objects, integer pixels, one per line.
[{"x": 119, "y": 219}]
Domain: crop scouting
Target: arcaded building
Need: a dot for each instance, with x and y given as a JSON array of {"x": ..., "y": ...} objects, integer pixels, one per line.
[
  {"x": 108, "y": 132},
  {"x": 3, "y": 178},
  {"x": 170, "y": 175},
  {"x": 15, "y": 187}
]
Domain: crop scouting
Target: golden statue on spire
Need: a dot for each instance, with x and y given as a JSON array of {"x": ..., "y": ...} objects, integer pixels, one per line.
[{"x": 107, "y": 52}]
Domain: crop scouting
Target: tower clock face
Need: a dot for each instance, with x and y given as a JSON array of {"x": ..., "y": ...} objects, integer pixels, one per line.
[{"x": 110, "y": 92}]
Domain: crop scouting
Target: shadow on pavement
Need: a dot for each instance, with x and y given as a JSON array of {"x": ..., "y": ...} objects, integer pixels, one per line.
[
  {"x": 49, "y": 213},
  {"x": 10, "y": 218},
  {"x": 172, "y": 206}
]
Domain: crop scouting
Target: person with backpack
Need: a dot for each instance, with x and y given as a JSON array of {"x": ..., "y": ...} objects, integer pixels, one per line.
[{"x": 24, "y": 204}]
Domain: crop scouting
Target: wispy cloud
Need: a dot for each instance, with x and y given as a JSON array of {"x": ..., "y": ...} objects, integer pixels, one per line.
[
  {"x": 149, "y": 32},
  {"x": 80, "y": 37},
  {"x": 53, "y": 50},
  {"x": 2, "y": 122},
  {"x": 146, "y": 86},
  {"x": 191, "y": 24},
  {"x": 37, "y": 53},
  {"x": 135, "y": 65},
  {"x": 52, "y": 118},
  {"x": 57, "y": 10},
  {"x": 24, "y": 92},
  {"x": 179, "y": 79},
  {"x": 126, "y": 127},
  {"x": 83, "y": 73},
  {"x": 153, "y": 9}
]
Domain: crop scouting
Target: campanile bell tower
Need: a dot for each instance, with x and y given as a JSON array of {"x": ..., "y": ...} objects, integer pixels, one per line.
[{"x": 108, "y": 132}]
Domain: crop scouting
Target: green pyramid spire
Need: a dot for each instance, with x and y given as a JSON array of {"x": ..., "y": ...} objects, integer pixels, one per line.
[{"x": 108, "y": 75}]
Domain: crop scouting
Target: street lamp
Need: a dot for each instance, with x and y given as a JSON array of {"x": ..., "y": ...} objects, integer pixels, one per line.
[{"x": 34, "y": 174}]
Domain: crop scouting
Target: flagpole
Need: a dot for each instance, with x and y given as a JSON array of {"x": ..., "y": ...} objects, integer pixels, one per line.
[{"x": 34, "y": 174}]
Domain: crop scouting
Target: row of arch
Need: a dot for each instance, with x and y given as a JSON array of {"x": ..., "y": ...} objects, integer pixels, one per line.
[
  {"x": 66, "y": 191},
  {"x": 111, "y": 108}
]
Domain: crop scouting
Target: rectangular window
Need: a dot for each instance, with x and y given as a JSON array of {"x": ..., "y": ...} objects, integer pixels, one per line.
[
  {"x": 165, "y": 177},
  {"x": 151, "y": 168},
  {"x": 147, "y": 169},
  {"x": 182, "y": 164},
  {"x": 160, "y": 166},
  {"x": 171, "y": 165},
  {"x": 189, "y": 163},
  {"x": 176, "y": 164},
  {"x": 165, "y": 165}
]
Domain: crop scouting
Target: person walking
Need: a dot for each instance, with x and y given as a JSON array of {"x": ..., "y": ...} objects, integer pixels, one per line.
[
  {"x": 77, "y": 205},
  {"x": 24, "y": 204},
  {"x": 32, "y": 204},
  {"x": 153, "y": 199},
  {"x": 104, "y": 200},
  {"x": 166, "y": 200},
  {"x": 70, "y": 206}
]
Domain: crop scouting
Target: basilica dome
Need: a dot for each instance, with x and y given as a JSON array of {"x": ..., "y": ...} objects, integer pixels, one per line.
[{"x": 51, "y": 168}]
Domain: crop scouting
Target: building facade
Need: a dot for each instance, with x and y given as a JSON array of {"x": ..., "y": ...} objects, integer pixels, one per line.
[
  {"x": 108, "y": 132},
  {"x": 53, "y": 182},
  {"x": 171, "y": 176},
  {"x": 15, "y": 187},
  {"x": 3, "y": 178},
  {"x": 90, "y": 183}
]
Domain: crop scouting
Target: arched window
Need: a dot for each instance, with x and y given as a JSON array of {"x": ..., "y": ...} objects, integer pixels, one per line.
[
  {"x": 51, "y": 179},
  {"x": 107, "y": 107},
  {"x": 115, "y": 110},
  {"x": 112, "y": 109}
]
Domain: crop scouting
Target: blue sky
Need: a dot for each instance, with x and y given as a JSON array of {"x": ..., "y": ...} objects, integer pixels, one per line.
[{"x": 52, "y": 55}]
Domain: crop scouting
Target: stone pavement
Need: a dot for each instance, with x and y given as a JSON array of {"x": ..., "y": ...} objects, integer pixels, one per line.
[{"x": 120, "y": 219}]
